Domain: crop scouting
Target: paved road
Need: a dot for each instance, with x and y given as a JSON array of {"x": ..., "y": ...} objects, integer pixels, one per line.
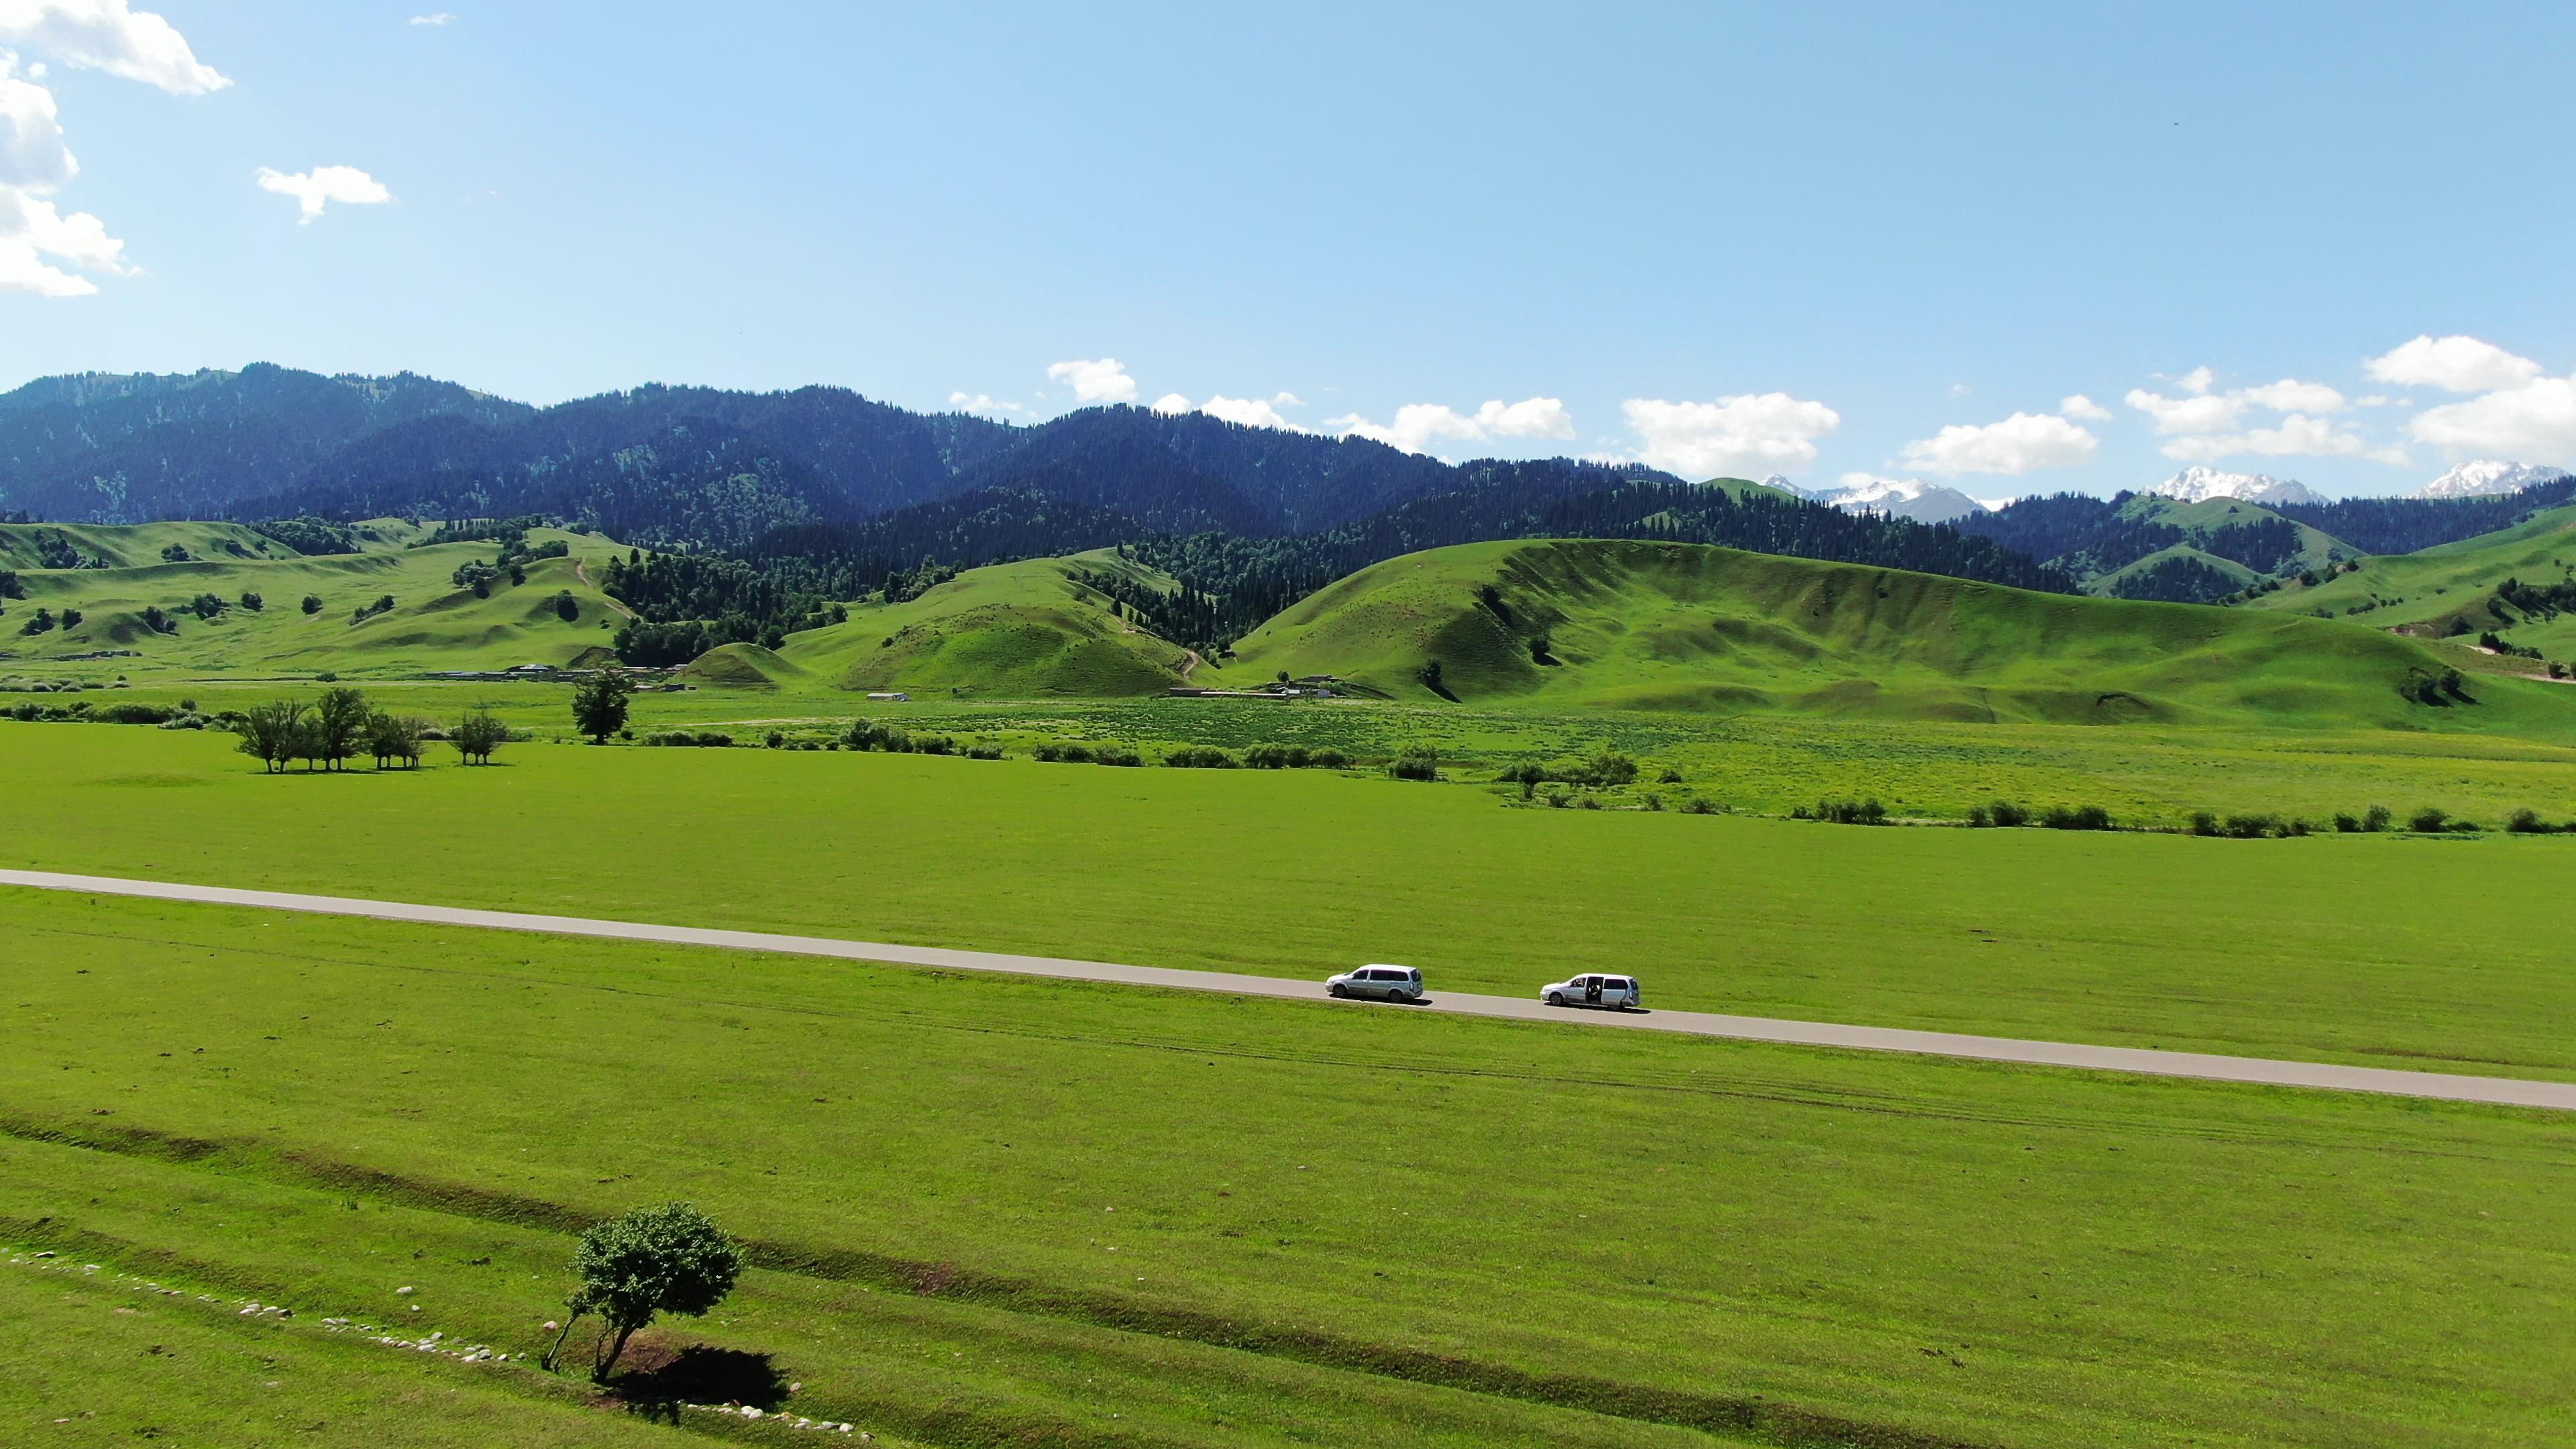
[{"x": 2503, "y": 1091}]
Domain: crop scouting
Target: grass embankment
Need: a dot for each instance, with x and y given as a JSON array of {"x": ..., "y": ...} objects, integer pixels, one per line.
[
  {"x": 2341, "y": 948},
  {"x": 991, "y": 1210},
  {"x": 1018, "y": 630},
  {"x": 434, "y": 624},
  {"x": 1672, "y": 626}
]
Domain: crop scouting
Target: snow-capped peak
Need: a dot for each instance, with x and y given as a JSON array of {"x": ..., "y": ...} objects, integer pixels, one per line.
[
  {"x": 1893, "y": 497},
  {"x": 2489, "y": 478},
  {"x": 2197, "y": 483}
]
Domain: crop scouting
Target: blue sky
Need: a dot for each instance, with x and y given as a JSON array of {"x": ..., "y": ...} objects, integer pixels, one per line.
[{"x": 1814, "y": 240}]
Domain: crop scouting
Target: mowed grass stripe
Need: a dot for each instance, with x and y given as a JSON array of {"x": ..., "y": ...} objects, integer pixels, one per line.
[{"x": 2493, "y": 1090}]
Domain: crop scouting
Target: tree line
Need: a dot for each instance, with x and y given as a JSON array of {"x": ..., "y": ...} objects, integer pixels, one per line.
[{"x": 328, "y": 732}]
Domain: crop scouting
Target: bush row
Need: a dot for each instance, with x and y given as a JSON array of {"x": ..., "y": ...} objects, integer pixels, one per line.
[{"x": 1259, "y": 757}]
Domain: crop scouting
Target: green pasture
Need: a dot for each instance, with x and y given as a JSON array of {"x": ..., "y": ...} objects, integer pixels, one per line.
[
  {"x": 433, "y": 625},
  {"x": 2446, "y": 588},
  {"x": 989, "y": 1211},
  {"x": 1680, "y": 627},
  {"x": 2346, "y": 948},
  {"x": 1016, "y": 630}
]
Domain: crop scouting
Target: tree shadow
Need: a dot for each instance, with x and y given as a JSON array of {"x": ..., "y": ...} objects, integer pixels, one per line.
[{"x": 663, "y": 1378}]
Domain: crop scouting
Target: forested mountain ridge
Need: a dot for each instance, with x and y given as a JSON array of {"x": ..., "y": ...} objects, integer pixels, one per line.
[{"x": 133, "y": 448}]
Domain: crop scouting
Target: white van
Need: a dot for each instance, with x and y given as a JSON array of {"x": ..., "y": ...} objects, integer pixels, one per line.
[
  {"x": 1615, "y": 993},
  {"x": 1386, "y": 983}
]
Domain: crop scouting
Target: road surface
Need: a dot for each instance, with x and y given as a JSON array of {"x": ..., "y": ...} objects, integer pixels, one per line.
[{"x": 2501, "y": 1091}]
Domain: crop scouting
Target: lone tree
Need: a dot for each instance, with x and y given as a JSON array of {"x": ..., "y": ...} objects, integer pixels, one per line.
[
  {"x": 667, "y": 1259},
  {"x": 599, "y": 705},
  {"x": 478, "y": 735},
  {"x": 268, "y": 732}
]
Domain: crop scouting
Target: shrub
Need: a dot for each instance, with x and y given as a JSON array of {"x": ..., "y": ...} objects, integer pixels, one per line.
[
  {"x": 1112, "y": 755},
  {"x": 2203, "y": 823},
  {"x": 869, "y": 735},
  {"x": 1590, "y": 801},
  {"x": 1199, "y": 757},
  {"x": 1670, "y": 776},
  {"x": 2526, "y": 821},
  {"x": 1609, "y": 769},
  {"x": 706, "y": 739},
  {"x": 253, "y": 602},
  {"x": 1276, "y": 757},
  {"x": 1696, "y": 805},
  {"x": 567, "y": 608},
  {"x": 1329, "y": 760},
  {"x": 2376, "y": 819},
  {"x": 158, "y": 621},
  {"x": 1528, "y": 776},
  {"x": 131, "y": 714},
  {"x": 934, "y": 745},
  {"x": 2253, "y": 827},
  {"x": 1415, "y": 762},
  {"x": 1845, "y": 812},
  {"x": 206, "y": 606},
  {"x": 1654, "y": 801},
  {"x": 2003, "y": 814},
  {"x": 983, "y": 752},
  {"x": 1063, "y": 754},
  {"x": 2347, "y": 824},
  {"x": 2076, "y": 817},
  {"x": 383, "y": 605},
  {"x": 2431, "y": 820},
  {"x": 774, "y": 739},
  {"x": 313, "y": 603}
]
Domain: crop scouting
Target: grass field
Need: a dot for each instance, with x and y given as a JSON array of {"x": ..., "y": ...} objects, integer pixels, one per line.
[
  {"x": 433, "y": 625},
  {"x": 1003, "y": 1211},
  {"x": 2333, "y": 948},
  {"x": 1025, "y": 630},
  {"x": 1677, "y": 627},
  {"x": 2446, "y": 587}
]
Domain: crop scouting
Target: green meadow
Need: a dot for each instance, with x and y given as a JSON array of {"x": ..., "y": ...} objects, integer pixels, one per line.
[
  {"x": 2346, "y": 948},
  {"x": 434, "y": 623},
  {"x": 997, "y": 1211}
]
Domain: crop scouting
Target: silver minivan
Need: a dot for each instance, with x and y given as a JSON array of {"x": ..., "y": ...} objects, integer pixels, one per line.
[
  {"x": 1385, "y": 983},
  {"x": 1615, "y": 993}
]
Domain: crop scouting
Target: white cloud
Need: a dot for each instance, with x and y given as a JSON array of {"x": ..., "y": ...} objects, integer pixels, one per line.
[
  {"x": 1418, "y": 425},
  {"x": 441, "y": 18},
  {"x": 2077, "y": 405},
  {"x": 1171, "y": 403},
  {"x": 2022, "y": 443},
  {"x": 2298, "y": 435},
  {"x": 1101, "y": 379},
  {"x": 977, "y": 402},
  {"x": 1748, "y": 434},
  {"x": 1252, "y": 412},
  {"x": 2536, "y": 420},
  {"x": 2453, "y": 364},
  {"x": 1287, "y": 399},
  {"x": 2290, "y": 395},
  {"x": 106, "y": 35},
  {"x": 33, "y": 156},
  {"x": 322, "y": 185},
  {"x": 2204, "y": 426}
]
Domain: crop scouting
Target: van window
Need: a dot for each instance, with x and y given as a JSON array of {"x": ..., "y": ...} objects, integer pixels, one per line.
[{"x": 1615, "y": 983}]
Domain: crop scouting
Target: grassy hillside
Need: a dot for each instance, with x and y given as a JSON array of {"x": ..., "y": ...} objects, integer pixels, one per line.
[
  {"x": 1025, "y": 630},
  {"x": 2447, "y": 590},
  {"x": 1670, "y": 626},
  {"x": 23, "y": 545},
  {"x": 434, "y": 624}
]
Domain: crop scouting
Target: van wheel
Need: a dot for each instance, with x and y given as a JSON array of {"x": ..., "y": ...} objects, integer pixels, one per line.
[
  {"x": 1556, "y": 998},
  {"x": 1337, "y": 989}
]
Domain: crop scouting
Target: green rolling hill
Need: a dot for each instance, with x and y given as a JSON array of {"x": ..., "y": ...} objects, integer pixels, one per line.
[
  {"x": 1675, "y": 626},
  {"x": 434, "y": 624},
  {"x": 1029, "y": 630},
  {"x": 2451, "y": 590}
]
